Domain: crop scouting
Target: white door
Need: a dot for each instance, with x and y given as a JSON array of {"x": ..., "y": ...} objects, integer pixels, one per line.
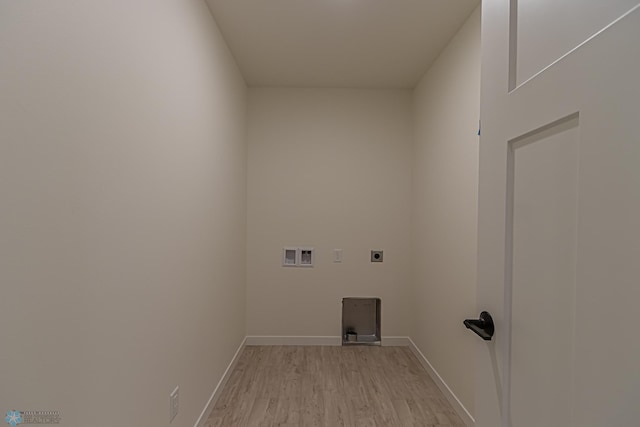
[{"x": 559, "y": 214}]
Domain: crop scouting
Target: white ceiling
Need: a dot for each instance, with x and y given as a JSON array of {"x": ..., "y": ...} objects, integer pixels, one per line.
[{"x": 338, "y": 43}]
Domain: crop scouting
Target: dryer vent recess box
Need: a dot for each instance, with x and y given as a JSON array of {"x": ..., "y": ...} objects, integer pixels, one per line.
[{"x": 361, "y": 321}]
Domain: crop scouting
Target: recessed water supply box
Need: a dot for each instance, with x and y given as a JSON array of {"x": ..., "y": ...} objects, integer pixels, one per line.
[
  {"x": 297, "y": 257},
  {"x": 361, "y": 321}
]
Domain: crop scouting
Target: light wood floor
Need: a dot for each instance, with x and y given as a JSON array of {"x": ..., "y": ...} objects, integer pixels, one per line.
[{"x": 331, "y": 387}]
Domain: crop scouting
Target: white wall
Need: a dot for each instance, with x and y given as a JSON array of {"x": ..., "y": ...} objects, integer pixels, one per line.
[
  {"x": 328, "y": 168},
  {"x": 122, "y": 212},
  {"x": 445, "y": 180}
]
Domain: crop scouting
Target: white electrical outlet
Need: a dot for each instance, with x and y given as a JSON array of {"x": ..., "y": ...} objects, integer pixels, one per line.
[{"x": 174, "y": 403}]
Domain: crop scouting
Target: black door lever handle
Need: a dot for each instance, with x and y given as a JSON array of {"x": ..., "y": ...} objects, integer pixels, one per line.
[{"x": 483, "y": 326}]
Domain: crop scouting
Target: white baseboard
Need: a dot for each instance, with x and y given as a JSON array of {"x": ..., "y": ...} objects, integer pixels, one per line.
[
  {"x": 204, "y": 415},
  {"x": 293, "y": 340},
  {"x": 317, "y": 340},
  {"x": 396, "y": 341},
  {"x": 444, "y": 388}
]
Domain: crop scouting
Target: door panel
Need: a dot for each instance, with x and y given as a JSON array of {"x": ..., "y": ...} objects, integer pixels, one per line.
[
  {"x": 543, "y": 176},
  {"x": 558, "y": 26},
  {"x": 559, "y": 224}
]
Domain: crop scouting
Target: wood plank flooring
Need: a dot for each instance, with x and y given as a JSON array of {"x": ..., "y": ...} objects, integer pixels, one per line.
[{"x": 331, "y": 387}]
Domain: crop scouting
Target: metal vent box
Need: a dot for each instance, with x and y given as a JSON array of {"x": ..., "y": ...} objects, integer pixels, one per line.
[{"x": 361, "y": 321}]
